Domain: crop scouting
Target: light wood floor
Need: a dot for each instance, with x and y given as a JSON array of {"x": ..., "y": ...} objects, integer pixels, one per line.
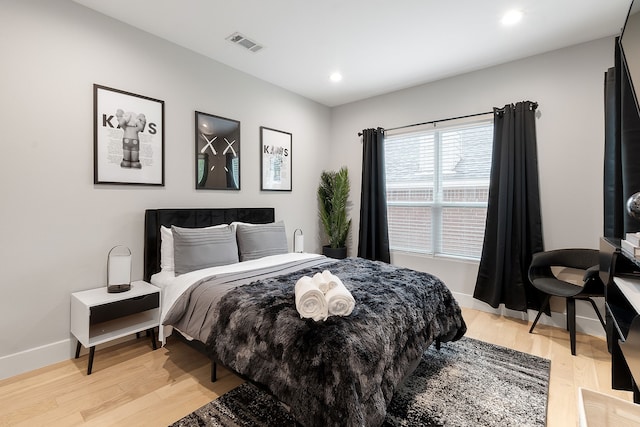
[{"x": 134, "y": 386}]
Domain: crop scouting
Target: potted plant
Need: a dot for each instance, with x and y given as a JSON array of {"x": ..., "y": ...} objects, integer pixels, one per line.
[{"x": 333, "y": 193}]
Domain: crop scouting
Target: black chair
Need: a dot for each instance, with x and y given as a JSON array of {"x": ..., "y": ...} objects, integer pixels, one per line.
[{"x": 543, "y": 279}]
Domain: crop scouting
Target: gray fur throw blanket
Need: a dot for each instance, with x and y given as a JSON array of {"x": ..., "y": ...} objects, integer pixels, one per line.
[{"x": 342, "y": 371}]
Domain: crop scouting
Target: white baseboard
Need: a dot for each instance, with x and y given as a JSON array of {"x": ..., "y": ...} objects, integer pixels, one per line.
[
  {"x": 39, "y": 357},
  {"x": 34, "y": 358},
  {"x": 586, "y": 325}
]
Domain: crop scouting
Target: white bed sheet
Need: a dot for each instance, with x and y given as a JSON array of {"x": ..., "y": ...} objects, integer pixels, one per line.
[{"x": 173, "y": 286}]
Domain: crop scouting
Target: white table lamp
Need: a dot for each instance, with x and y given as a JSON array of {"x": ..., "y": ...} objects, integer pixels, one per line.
[
  {"x": 298, "y": 241},
  {"x": 119, "y": 269}
]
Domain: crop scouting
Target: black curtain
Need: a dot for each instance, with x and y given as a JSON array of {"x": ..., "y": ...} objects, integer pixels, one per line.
[
  {"x": 621, "y": 150},
  {"x": 374, "y": 234},
  {"x": 513, "y": 231}
]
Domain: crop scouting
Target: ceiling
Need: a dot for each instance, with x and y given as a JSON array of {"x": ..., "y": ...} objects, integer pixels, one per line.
[{"x": 379, "y": 46}]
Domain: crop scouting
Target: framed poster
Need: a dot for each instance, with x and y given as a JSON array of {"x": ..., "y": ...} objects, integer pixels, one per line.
[
  {"x": 275, "y": 165},
  {"x": 217, "y": 152},
  {"x": 128, "y": 138}
]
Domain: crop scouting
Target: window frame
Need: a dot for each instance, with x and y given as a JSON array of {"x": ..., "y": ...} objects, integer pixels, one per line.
[{"x": 438, "y": 204}]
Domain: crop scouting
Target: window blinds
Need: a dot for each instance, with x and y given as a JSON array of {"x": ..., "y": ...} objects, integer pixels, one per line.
[{"x": 437, "y": 188}]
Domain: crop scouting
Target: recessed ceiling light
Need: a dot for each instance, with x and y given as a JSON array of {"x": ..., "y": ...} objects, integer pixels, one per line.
[
  {"x": 512, "y": 17},
  {"x": 335, "y": 77}
]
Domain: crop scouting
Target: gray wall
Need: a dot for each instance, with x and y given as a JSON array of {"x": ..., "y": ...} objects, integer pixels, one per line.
[
  {"x": 57, "y": 225},
  {"x": 568, "y": 85}
]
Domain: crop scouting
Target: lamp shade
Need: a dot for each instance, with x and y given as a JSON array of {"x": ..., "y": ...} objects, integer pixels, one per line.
[
  {"x": 298, "y": 241},
  {"x": 119, "y": 269}
]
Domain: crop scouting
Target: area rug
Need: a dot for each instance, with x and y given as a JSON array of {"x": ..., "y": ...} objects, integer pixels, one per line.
[{"x": 465, "y": 383}]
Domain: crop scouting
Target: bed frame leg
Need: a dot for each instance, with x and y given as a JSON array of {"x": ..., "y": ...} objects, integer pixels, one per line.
[
  {"x": 214, "y": 368},
  {"x": 438, "y": 343}
]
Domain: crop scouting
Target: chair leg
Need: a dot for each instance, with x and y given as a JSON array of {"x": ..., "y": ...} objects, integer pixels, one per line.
[
  {"x": 571, "y": 323},
  {"x": 595, "y": 308},
  {"x": 544, "y": 305}
]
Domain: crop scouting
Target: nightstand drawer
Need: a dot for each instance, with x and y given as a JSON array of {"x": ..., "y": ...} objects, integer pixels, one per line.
[{"x": 114, "y": 310}]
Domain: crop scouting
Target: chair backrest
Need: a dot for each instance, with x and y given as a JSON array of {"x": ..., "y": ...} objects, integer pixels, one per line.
[
  {"x": 578, "y": 258},
  {"x": 572, "y": 258}
]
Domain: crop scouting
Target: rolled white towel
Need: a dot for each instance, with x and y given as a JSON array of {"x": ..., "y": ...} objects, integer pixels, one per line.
[
  {"x": 340, "y": 302},
  {"x": 310, "y": 301},
  {"x": 321, "y": 282},
  {"x": 330, "y": 279}
]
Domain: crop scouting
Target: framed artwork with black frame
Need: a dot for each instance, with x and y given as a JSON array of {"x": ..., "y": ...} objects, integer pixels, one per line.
[
  {"x": 128, "y": 138},
  {"x": 217, "y": 152},
  {"x": 275, "y": 165}
]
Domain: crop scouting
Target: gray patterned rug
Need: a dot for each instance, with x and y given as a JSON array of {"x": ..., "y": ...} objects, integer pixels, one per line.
[{"x": 465, "y": 383}]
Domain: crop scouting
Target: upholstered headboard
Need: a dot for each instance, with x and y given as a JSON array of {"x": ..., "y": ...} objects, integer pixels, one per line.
[{"x": 191, "y": 218}]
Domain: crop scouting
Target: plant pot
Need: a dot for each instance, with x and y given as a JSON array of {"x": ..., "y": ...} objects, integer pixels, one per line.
[{"x": 337, "y": 253}]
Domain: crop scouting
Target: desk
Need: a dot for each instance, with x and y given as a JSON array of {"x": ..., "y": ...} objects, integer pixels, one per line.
[{"x": 621, "y": 275}]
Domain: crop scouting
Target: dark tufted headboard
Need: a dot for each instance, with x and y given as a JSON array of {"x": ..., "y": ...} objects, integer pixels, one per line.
[{"x": 191, "y": 218}]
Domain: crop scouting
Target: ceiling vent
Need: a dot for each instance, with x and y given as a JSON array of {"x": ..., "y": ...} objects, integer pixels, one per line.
[{"x": 241, "y": 40}]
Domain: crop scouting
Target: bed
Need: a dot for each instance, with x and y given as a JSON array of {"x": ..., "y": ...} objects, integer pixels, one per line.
[{"x": 339, "y": 371}]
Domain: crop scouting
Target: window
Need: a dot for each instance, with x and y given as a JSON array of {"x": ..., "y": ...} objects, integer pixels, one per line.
[{"x": 437, "y": 188}]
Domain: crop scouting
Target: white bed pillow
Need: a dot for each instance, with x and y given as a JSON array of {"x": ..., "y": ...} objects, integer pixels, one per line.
[
  {"x": 198, "y": 248},
  {"x": 260, "y": 240},
  {"x": 167, "y": 260}
]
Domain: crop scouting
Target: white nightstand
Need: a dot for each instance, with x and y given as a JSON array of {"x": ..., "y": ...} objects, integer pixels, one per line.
[{"x": 98, "y": 316}]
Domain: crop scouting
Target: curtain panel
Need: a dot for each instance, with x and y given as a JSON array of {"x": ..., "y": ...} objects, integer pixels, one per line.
[
  {"x": 373, "y": 241},
  {"x": 513, "y": 231}
]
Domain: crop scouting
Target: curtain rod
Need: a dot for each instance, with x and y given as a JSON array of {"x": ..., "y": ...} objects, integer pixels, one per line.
[
  {"x": 441, "y": 120},
  {"x": 534, "y": 105},
  {"x": 436, "y": 121}
]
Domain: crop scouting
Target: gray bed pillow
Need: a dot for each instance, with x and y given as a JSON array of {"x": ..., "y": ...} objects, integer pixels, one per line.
[
  {"x": 260, "y": 240},
  {"x": 197, "y": 248}
]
